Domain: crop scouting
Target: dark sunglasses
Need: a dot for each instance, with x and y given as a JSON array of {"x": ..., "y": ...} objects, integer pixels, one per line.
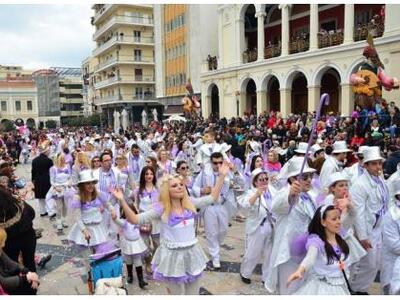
[
  {"x": 217, "y": 162},
  {"x": 184, "y": 168},
  {"x": 263, "y": 179}
]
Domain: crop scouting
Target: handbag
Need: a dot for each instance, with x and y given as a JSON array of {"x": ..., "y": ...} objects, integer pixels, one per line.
[{"x": 145, "y": 228}]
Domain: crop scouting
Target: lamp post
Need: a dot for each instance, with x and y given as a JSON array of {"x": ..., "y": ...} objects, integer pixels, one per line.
[{"x": 237, "y": 94}]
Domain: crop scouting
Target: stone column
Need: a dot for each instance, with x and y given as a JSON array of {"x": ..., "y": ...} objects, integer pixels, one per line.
[
  {"x": 240, "y": 46},
  {"x": 206, "y": 107},
  {"x": 347, "y": 101},
  {"x": 260, "y": 15},
  {"x": 314, "y": 93},
  {"x": 220, "y": 39},
  {"x": 348, "y": 23},
  {"x": 314, "y": 27},
  {"x": 261, "y": 101},
  {"x": 285, "y": 29},
  {"x": 286, "y": 102},
  {"x": 392, "y": 24}
]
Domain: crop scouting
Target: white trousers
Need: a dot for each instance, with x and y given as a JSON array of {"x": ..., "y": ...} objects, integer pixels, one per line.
[
  {"x": 61, "y": 208},
  {"x": 258, "y": 248},
  {"x": 47, "y": 206},
  {"x": 215, "y": 227},
  {"x": 184, "y": 288}
]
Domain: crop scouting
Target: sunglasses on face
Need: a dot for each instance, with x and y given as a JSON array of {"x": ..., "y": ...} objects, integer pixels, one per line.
[
  {"x": 184, "y": 168},
  {"x": 217, "y": 162},
  {"x": 263, "y": 179}
]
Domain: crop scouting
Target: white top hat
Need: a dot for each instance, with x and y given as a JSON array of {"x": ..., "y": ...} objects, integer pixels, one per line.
[
  {"x": 315, "y": 148},
  {"x": 302, "y": 148},
  {"x": 294, "y": 167},
  {"x": 255, "y": 146},
  {"x": 361, "y": 149},
  {"x": 372, "y": 153},
  {"x": 340, "y": 147},
  {"x": 225, "y": 147},
  {"x": 106, "y": 135},
  {"x": 335, "y": 177},
  {"x": 257, "y": 172},
  {"x": 396, "y": 187},
  {"x": 86, "y": 176}
]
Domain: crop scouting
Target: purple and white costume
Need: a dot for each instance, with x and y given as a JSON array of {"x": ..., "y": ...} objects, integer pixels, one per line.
[
  {"x": 323, "y": 278},
  {"x": 91, "y": 219}
]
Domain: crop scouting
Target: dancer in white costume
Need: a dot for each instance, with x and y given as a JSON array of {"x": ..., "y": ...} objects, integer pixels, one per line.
[
  {"x": 391, "y": 242},
  {"x": 179, "y": 260},
  {"x": 326, "y": 259},
  {"x": 370, "y": 197},
  {"x": 259, "y": 226}
]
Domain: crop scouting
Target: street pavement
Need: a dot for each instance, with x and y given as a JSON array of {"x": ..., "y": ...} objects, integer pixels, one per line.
[{"x": 66, "y": 273}]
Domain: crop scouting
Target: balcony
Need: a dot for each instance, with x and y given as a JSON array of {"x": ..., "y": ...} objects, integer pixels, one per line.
[
  {"x": 123, "y": 40},
  {"x": 272, "y": 51},
  {"x": 137, "y": 79},
  {"x": 299, "y": 44},
  {"x": 122, "y": 20},
  {"x": 375, "y": 28},
  {"x": 138, "y": 60},
  {"x": 101, "y": 12},
  {"x": 130, "y": 98},
  {"x": 331, "y": 38},
  {"x": 249, "y": 56}
]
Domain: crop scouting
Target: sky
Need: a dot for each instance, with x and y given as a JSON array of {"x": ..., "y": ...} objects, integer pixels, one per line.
[{"x": 45, "y": 35}]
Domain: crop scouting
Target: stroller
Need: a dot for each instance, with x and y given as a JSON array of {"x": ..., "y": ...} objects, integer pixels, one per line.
[{"x": 105, "y": 274}]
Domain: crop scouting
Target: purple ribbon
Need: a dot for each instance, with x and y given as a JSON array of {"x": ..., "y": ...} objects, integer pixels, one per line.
[{"x": 176, "y": 219}]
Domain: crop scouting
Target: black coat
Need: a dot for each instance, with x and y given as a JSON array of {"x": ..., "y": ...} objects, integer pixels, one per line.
[{"x": 41, "y": 175}]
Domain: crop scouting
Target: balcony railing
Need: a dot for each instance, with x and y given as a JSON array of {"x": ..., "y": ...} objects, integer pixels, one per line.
[
  {"x": 361, "y": 31},
  {"x": 125, "y": 79},
  {"x": 125, "y": 97},
  {"x": 272, "y": 51},
  {"x": 249, "y": 56},
  {"x": 331, "y": 38},
  {"x": 143, "y": 96},
  {"x": 124, "y": 60},
  {"x": 123, "y": 40},
  {"x": 299, "y": 44},
  {"x": 131, "y": 20},
  {"x": 105, "y": 82},
  {"x": 101, "y": 12},
  {"x": 142, "y": 78}
]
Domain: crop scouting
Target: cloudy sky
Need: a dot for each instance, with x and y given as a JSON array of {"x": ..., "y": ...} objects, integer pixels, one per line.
[{"x": 45, "y": 35}]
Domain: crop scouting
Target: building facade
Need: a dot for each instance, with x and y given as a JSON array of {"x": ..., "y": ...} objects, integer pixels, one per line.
[
  {"x": 185, "y": 35},
  {"x": 18, "y": 96},
  {"x": 282, "y": 57},
  {"x": 88, "y": 91},
  {"x": 124, "y": 76}
]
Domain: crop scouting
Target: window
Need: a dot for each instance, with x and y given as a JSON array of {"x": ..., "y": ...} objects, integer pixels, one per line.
[
  {"x": 138, "y": 55},
  {"x": 29, "y": 105},
  {"x": 18, "y": 105},
  {"x": 138, "y": 92},
  {"x": 3, "y": 105},
  {"x": 137, "y": 36}
]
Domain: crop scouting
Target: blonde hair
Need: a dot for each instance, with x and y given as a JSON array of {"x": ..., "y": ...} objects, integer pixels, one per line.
[
  {"x": 159, "y": 153},
  {"x": 82, "y": 194},
  {"x": 85, "y": 160},
  {"x": 59, "y": 160},
  {"x": 124, "y": 161},
  {"x": 3, "y": 236},
  {"x": 165, "y": 198}
]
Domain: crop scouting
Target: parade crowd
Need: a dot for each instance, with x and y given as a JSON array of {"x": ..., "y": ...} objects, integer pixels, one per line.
[{"x": 320, "y": 217}]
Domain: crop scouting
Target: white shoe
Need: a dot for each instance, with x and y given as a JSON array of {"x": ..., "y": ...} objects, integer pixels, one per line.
[
  {"x": 64, "y": 224},
  {"x": 216, "y": 263},
  {"x": 59, "y": 226}
]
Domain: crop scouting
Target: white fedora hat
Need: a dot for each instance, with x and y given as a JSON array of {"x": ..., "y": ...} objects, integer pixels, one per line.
[
  {"x": 315, "y": 148},
  {"x": 255, "y": 146},
  {"x": 257, "y": 172},
  {"x": 340, "y": 147},
  {"x": 302, "y": 148},
  {"x": 86, "y": 176},
  {"x": 294, "y": 167},
  {"x": 335, "y": 177},
  {"x": 225, "y": 147},
  {"x": 361, "y": 149},
  {"x": 372, "y": 153},
  {"x": 396, "y": 187}
]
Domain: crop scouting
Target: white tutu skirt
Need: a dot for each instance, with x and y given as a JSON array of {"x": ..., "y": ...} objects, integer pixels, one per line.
[
  {"x": 179, "y": 265},
  {"x": 137, "y": 247},
  {"x": 98, "y": 234},
  {"x": 315, "y": 286}
]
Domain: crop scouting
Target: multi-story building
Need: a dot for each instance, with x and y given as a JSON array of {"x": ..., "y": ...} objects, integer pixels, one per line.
[
  {"x": 88, "y": 91},
  {"x": 18, "y": 95},
  {"x": 282, "y": 57},
  {"x": 70, "y": 92},
  {"x": 124, "y": 74},
  {"x": 185, "y": 35}
]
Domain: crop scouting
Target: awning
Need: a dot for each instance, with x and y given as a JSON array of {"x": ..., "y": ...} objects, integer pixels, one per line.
[{"x": 173, "y": 110}]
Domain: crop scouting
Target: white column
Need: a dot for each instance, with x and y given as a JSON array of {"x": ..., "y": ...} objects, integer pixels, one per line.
[
  {"x": 240, "y": 47},
  {"x": 285, "y": 29},
  {"x": 313, "y": 97},
  {"x": 314, "y": 26},
  {"x": 220, "y": 40},
  {"x": 286, "y": 101},
  {"x": 392, "y": 24},
  {"x": 348, "y": 23},
  {"x": 260, "y": 15},
  {"x": 261, "y": 101},
  {"x": 347, "y": 101}
]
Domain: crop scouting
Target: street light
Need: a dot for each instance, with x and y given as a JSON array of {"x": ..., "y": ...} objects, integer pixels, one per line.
[{"x": 237, "y": 94}]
